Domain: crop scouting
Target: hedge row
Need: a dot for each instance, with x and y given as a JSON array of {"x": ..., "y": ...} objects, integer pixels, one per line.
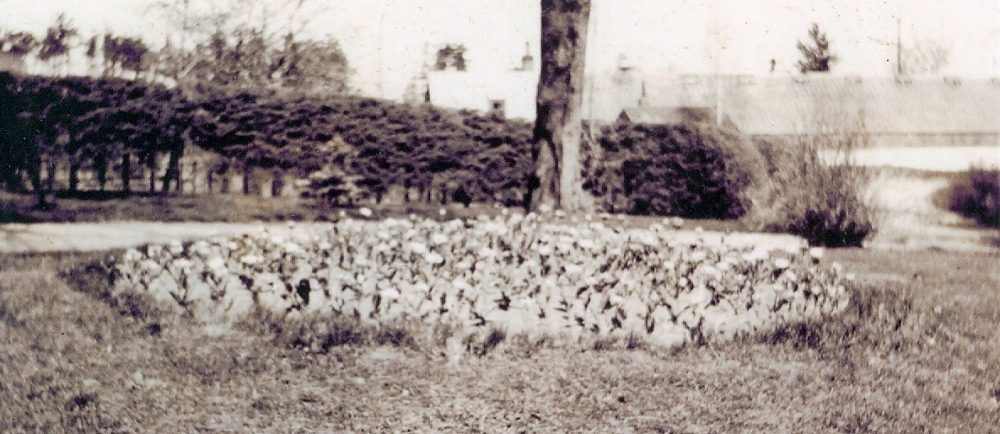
[{"x": 376, "y": 146}]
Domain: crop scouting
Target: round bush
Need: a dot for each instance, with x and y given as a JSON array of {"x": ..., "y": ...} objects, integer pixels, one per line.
[{"x": 691, "y": 170}]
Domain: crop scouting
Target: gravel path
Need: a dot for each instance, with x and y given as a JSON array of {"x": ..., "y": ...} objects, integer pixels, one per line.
[{"x": 52, "y": 237}]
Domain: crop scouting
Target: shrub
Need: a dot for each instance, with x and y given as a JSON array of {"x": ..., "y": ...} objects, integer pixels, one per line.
[
  {"x": 976, "y": 195},
  {"x": 691, "y": 170},
  {"x": 804, "y": 194}
]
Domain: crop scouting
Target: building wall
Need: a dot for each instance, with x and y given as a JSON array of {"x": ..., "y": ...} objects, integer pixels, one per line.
[{"x": 926, "y": 112}]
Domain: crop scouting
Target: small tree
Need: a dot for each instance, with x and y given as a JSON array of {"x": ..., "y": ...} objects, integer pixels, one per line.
[
  {"x": 124, "y": 53},
  {"x": 816, "y": 55},
  {"x": 18, "y": 43},
  {"x": 450, "y": 56},
  {"x": 923, "y": 57},
  {"x": 56, "y": 41}
]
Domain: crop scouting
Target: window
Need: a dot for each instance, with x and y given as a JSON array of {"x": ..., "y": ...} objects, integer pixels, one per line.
[{"x": 497, "y": 106}]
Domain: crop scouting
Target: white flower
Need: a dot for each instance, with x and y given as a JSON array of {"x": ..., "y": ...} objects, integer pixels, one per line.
[
  {"x": 438, "y": 239},
  {"x": 434, "y": 258},
  {"x": 216, "y": 263},
  {"x": 698, "y": 256},
  {"x": 573, "y": 270},
  {"x": 758, "y": 254},
  {"x": 560, "y": 213},
  {"x": 294, "y": 249},
  {"x": 544, "y": 250},
  {"x": 251, "y": 259},
  {"x": 677, "y": 222},
  {"x": 586, "y": 243},
  {"x": 389, "y": 294},
  {"x": 175, "y": 247},
  {"x": 418, "y": 248},
  {"x": 782, "y": 263},
  {"x": 342, "y": 214},
  {"x": 365, "y": 212},
  {"x": 460, "y": 283},
  {"x": 816, "y": 252},
  {"x": 442, "y": 212},
  {"x": 132, "y": 255}
]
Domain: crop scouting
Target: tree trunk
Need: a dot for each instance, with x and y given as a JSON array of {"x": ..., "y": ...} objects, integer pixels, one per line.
[
  {"x": 126, "y": 173},
  {"x": 101, "y": 166},
  {"x": 247, "y": 173},
  {"x": 51, "y": 175},
  {"x": 173, "y": 172},
  {"x": 74, "y": 175},
  {"x": 35, "y": 175},
  {"x": 557, "y": 181},
  {"x": 152, "y": 166}
]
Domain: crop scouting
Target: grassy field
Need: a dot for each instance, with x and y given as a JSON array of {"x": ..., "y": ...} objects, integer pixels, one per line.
[
  {"x": 918, "y": 352},
  {"x": 18, "y": 208}
]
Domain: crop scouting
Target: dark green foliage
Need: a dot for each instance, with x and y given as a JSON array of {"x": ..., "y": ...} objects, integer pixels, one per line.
[
  {"x": 426, "y": 150},
  {"x": 816, "y": 56},
  {"x": 688, "y": 170},
  {"x": 976, "y": 195},
  {"x": 85, "y": 119},
  {"x": 354, "y": 148},
  {"x": 804, "y": 195}
]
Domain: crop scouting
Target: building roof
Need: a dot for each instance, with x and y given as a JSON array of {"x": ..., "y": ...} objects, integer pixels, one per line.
[
  {"x": 789, "y": 105},
  {"x": 756, "y": 105}
]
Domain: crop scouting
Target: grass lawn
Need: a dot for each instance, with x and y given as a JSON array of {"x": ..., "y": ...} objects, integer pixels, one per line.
[
  {"x": 18, "y": 208},
  {"x": 920, "y": 353}
]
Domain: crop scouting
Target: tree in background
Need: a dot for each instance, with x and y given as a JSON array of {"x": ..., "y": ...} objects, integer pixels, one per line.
[
  {"x": 124, "y": 53},
  {"x": 19, "y": 43},
  {"x": 558, "y": 128},
  {"x": 56, "y": 43},
  {"x": 923, "y": 57},
  {"x": 816, "y": 55},
  {"x": 219, "y": 47},
  {"x": 450, "y": 56}
]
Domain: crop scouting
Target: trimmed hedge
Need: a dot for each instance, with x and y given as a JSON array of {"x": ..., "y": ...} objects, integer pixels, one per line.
[
  {"x": 693, "y": 170},
  {"x": 976, "y": 195},
  {"x": 364, "y": 146}
]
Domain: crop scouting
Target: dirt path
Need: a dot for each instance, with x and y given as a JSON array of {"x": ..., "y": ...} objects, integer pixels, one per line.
[
  {"x": 908, "y": 218},
  {"x": 52, "y": 237}
]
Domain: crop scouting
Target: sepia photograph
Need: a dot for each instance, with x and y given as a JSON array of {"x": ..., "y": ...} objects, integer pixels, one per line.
[{"x": 499, "y": 216}]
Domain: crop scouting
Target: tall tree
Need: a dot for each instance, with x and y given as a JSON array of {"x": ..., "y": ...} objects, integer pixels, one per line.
[
  {"x": 18, "y": 43},
  {"x": 816, "y": 55},
  {"x": 57, "y": 39},
  {"x": 256, "y": 47},
  {"x": 123, "y": 53},
  {"x": 558, "y": 127}
]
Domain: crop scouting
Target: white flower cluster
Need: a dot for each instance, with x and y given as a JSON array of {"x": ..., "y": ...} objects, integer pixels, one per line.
[{"x": 518, "y": 272}]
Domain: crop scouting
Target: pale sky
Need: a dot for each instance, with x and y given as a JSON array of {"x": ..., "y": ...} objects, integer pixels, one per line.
[{"x": 387, "y": 40}]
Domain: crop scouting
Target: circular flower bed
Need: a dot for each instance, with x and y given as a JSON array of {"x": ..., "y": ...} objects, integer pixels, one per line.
[{"x": 517, "y": 273}]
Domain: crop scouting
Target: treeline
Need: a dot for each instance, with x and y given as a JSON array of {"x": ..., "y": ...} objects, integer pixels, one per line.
[
  {"x": 85, "y": 124},
  {"x": 351, "y": 148},
  {"x": 111, "y": 126}
]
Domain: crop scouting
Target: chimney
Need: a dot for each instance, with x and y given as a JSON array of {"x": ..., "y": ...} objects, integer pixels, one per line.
[{"x": 527, "y": 61}]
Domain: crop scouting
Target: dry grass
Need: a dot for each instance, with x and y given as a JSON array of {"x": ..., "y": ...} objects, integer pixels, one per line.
[{"x": 928, "y": 359}]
